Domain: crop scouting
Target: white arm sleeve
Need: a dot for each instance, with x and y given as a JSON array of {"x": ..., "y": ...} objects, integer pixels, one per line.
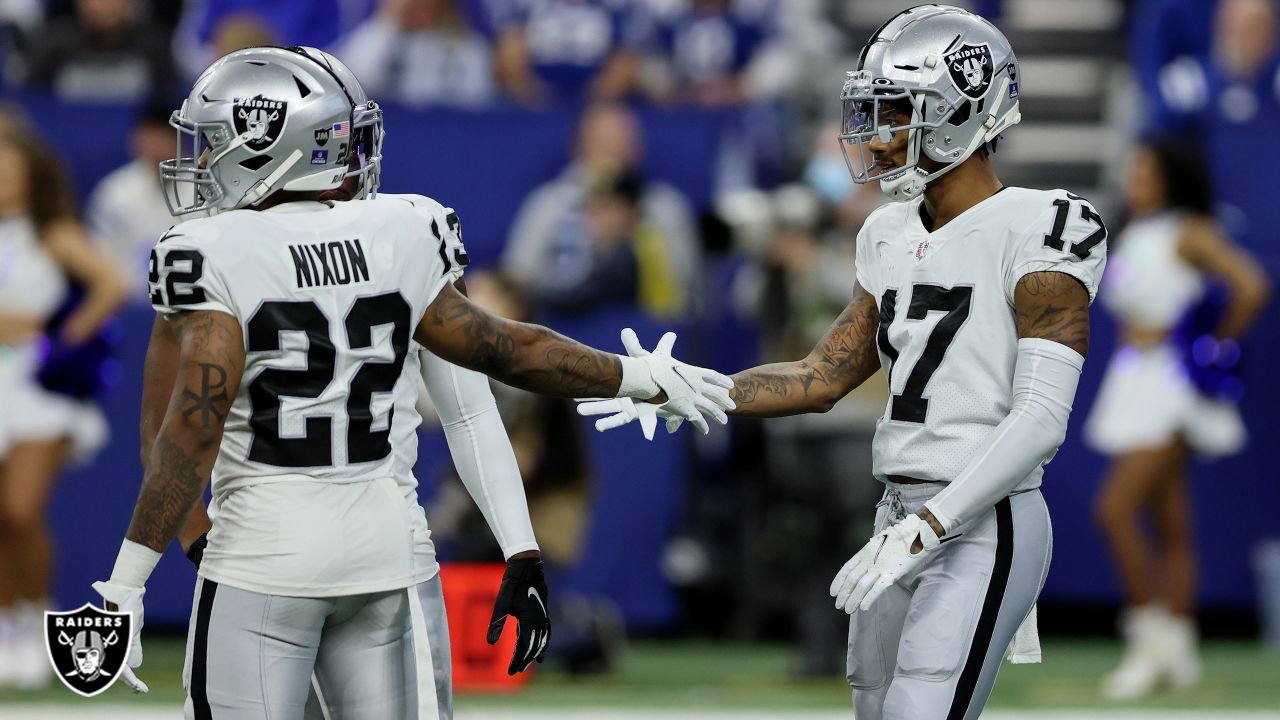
[
  {"x": 481, "y": 450},
  {"x": 1044, "y": 387}
]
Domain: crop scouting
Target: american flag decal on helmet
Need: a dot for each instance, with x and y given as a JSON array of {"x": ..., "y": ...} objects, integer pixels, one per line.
[{"x": 342, "y": 129}]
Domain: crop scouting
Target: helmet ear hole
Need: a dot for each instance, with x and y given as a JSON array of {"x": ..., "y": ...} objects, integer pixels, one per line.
[
  {"x": 255, "y": 163},
  {"x": 962, "y": 113}
]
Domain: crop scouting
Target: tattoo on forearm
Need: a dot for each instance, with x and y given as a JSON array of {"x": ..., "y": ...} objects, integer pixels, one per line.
[
  {"x": 844, "y": 358},
  {"x": 212, "y": 395},
  {"x": 1053, "y": 306},
  {"x": 527, "y": 356},
  {"x": 167, "y": 495}
]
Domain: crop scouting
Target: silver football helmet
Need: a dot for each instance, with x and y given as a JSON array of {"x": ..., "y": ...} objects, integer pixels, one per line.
[
  {"x": 257, "y": 121},
  {"x": 952, "y": 71}
]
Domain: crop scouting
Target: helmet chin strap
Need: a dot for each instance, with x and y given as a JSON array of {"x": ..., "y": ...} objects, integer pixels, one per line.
[
  {"x": 267, "y": 184},
  {"x": 911, "y": 183}
]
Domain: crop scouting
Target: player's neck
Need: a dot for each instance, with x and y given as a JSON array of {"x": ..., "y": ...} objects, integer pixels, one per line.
[
  {"x": 281, "y": 197},
  {"x": 959, "y": 190}
]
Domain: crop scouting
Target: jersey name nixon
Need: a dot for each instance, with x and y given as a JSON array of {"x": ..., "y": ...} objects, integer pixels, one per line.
[{"x": 334, "y": 263}]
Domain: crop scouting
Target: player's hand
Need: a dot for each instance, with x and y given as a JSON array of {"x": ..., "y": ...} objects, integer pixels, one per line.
[
  {"x": 881, "y": 562},
  {"x": 693, "y": 393},
  {"x": 523, "y": 594},
  {"x": 122, "y": 598}
]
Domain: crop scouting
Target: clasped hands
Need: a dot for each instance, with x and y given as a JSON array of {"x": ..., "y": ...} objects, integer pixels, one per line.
[{"x": 692, "y": 393}]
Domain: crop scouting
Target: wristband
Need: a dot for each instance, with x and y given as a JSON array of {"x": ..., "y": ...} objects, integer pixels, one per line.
[
  {"x": 195, "y": 553},
  {"x": 637, "y": 381},
  {"x": 134, "y": 564}
]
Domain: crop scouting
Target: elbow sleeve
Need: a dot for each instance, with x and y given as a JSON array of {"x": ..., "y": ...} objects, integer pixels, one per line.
[{"x": 1044, "y": 387}]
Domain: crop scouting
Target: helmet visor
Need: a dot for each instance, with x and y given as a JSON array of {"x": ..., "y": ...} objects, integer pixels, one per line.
[{"x": 874, "y": 112}]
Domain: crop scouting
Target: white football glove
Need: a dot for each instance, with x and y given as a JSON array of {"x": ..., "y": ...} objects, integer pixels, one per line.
[
  {"x": 127, "y": 599},
  {"x": 693, "y": 393},
  {"x": 880, "y": 563}
]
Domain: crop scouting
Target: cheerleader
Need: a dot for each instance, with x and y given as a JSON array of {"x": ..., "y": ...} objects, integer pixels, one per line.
[
  {"x": 43, "y": 251},
  {"x": 1169, "y": 392}
]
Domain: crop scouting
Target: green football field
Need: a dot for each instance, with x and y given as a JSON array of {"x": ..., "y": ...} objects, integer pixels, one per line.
[{"x": 675, "y": 679}]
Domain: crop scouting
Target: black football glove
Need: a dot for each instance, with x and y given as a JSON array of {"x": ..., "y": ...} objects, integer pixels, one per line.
[
  {"x": 523, "y": 594},
  {"x": 195, "y": 553}
]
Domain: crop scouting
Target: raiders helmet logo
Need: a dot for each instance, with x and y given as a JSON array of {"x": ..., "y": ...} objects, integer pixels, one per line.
[
  {"x": 260, "y": 118},
  {"x": 87, "y": 647},
  {"x": 970, "y": 68}
]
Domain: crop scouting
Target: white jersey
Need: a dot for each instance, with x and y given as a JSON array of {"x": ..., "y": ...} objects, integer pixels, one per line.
[
  {"x": 307, "y": 498},
  {"x": 948, "y": 335}
]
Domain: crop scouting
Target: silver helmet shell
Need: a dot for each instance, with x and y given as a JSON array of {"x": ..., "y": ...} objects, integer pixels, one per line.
[
  {"x": 955, "y": 72},
  {"x": 257, "y": 121},
  {"x": 367, "y": 129}
]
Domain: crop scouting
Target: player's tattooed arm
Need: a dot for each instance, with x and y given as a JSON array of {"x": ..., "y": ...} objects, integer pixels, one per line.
[
  {"x": 205, "y": 381},
  {"x": 158, "y": 372},
  {"x": 530, "y": 357},
  {"x": 1053, "y": 306},
  {"x": 841, "y": 361}
]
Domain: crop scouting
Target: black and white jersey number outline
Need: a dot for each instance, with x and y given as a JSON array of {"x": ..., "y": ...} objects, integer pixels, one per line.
[
  {"x": 459, "y": 253},
  {"x": 181, "y": 271},
  {"x": 1083, "y": 248},
  {"x": 911, "y": 405},
  {"x": 315, "y": 447}
]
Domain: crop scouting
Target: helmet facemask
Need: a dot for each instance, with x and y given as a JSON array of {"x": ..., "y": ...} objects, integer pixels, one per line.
[
  {"x": 187, "y": 180},
  {"x": 866, "y": 118},
  {"x": 367, "y": 134}
]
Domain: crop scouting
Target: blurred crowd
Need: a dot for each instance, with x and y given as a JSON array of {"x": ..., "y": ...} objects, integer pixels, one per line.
[{"x": 772, "y": 252}]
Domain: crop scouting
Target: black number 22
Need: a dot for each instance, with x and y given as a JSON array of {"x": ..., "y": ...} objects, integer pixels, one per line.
[
  {"x": 911, "y": 405},
  {"x": 315, "y": 447}
]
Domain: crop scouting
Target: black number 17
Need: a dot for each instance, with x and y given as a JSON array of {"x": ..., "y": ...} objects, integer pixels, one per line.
[
  {"x": 911, "y": 405},
  {"x": 1081, "y": 249}
]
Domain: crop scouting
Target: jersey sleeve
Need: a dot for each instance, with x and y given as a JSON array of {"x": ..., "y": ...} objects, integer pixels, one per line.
[
  {"x": 444, "y": 231},
  {"x": 1066, "y": 236},
  {"x": 865, "y": 258},
  {"x": 183, "y": 275}
]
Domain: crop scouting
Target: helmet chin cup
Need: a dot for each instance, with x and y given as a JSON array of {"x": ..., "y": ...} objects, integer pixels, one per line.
[{"x": 904, "y": 187}]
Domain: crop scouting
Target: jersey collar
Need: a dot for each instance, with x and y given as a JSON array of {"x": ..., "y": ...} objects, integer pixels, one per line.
[{"x": 298, "y": 206}]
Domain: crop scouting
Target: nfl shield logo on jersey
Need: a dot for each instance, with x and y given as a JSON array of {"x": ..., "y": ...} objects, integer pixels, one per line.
[
  {"x": 971, "y": 69},
  {"x": 261, "y": 118},
  {"x": 87, "y": 647}
]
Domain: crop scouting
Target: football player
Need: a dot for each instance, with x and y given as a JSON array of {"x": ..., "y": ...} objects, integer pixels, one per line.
[
  {"x": 973, "y": 297},
  {"x": 293, "y": 318},
  {"x": 473, "y": 429}
]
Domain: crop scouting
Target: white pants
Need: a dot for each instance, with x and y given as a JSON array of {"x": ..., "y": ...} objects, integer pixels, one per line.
[
  {"x": 931, "y": 646},
  {"x": 251, "y": 655},
  {"x": 431, "y": 654}
]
